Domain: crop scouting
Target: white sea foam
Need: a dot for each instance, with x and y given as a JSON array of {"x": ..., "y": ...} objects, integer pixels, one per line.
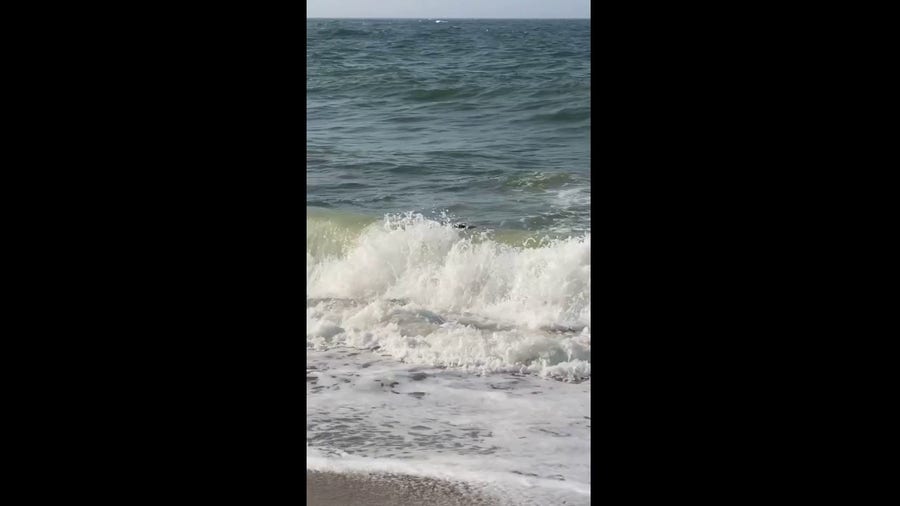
[
  {"x": 574, "y": 196},
  {"x": 427, "y": 292},
  {"x": 511, "y": 436}
]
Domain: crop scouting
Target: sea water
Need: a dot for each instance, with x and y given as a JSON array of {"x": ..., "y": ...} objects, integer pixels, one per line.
[{"x": 449, "y": 252}]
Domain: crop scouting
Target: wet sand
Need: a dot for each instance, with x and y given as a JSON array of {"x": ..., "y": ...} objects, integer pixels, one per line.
[{"x": 339, "y": 489}]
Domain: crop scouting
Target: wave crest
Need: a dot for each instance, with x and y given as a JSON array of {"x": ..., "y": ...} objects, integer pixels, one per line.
[{"x": 426, "y": 291}]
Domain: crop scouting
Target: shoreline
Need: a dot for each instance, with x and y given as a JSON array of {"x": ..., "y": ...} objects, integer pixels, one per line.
[{"x": 326, "y": 488}]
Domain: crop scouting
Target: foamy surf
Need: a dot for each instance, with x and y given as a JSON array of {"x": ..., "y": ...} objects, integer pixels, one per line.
[
  {"x": 517, "y": 438},
  {"x": 430, "y": 347},
  {"x": 427, "y": 292}
]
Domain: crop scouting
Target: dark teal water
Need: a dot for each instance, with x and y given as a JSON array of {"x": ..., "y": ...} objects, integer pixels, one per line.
[{"x": 488, "y": 120}]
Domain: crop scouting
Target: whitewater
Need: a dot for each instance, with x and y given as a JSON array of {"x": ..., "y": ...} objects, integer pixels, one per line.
[
  {"x": 448, "y": 352},
  {"x": 429, "y": 292}
]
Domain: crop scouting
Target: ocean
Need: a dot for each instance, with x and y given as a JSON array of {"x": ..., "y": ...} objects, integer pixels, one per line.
[{"x": 448, "y": 252}]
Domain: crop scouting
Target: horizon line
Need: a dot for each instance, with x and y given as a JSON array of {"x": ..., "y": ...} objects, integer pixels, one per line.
[{"x": 420, "y": 17}]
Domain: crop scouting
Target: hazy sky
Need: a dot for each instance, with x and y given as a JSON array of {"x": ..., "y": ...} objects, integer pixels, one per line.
[{"x": 448, "y": 8}]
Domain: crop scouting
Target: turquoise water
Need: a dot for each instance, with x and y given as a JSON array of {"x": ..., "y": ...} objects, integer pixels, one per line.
[{"x": 487, "y": 121}]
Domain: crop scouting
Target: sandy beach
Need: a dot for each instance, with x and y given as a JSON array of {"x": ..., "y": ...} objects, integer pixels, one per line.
[{"x": 339, "y": 489}]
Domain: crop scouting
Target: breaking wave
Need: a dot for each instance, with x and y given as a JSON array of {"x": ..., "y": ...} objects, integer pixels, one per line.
[{"x": 428, "y": 291}]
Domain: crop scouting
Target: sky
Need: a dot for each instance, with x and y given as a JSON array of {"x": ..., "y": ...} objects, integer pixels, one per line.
[{"x": 435, "y": 9}]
